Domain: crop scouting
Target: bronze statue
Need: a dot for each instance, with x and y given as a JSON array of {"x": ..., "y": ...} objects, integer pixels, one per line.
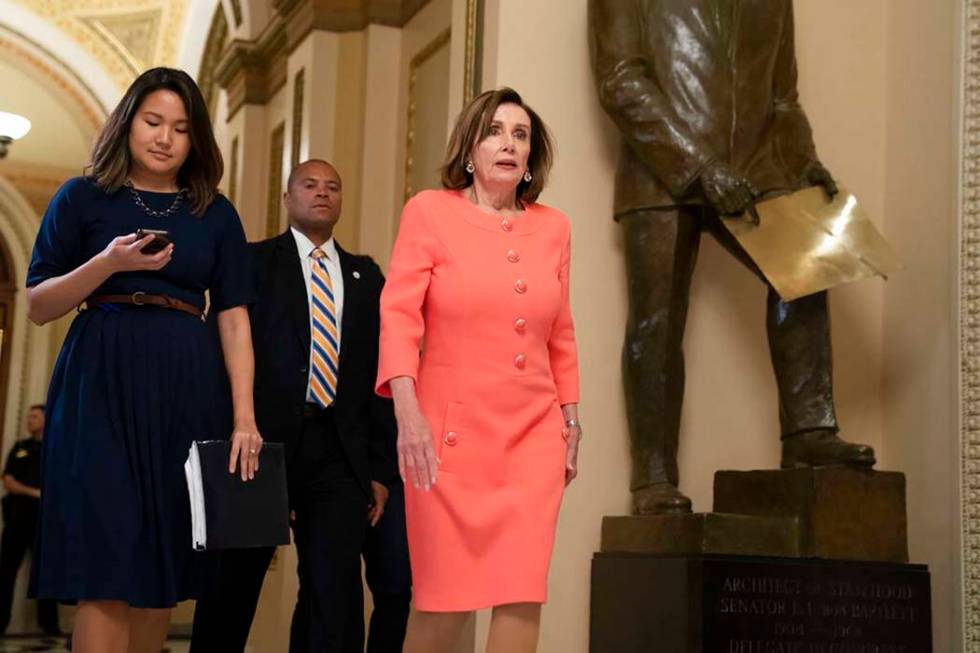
[{"x": 704, "y": 95}]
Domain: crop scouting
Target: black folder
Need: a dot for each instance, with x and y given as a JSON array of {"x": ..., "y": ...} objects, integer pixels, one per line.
[{"x": 229, "y": 513}]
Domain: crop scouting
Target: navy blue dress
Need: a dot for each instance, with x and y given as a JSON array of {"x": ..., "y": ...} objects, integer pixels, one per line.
[{"x": 133, "y": 386}]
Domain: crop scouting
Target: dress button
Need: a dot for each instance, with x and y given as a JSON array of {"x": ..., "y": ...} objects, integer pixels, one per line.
[
  {"x": 520, "y": 325},
  {"x": 520, "y": 287},
  {"x": 451, "y": 438},
  {"x": 506, "y": 224},
  {"x": 513, "y": 256},
  {"x": 520, "y": 361}
]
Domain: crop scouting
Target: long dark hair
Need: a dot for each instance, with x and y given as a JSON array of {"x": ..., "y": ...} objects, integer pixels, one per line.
[
  {"x": 473, "y": 125},
  {"x": 200, "y": 173}
]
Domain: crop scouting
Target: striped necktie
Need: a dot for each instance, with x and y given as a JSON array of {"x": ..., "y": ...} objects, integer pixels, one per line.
[{"x": 325, "y": 342}]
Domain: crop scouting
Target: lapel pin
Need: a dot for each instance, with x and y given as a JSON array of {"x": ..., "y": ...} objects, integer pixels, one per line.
[{"x": 357, "y": 275}]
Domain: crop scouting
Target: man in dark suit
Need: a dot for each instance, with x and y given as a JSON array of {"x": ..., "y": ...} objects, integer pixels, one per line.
[
  {"x": 22, "y": 480},
  {"x": 704, "y": 95},
  {"x": 315, "y": 331}
]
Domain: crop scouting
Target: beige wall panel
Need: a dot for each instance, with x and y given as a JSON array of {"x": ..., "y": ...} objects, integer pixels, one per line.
[
  {"x": 920, "y": 387},
  {"x": 379, "y": 207},
  {"x": 249, "y": 125},
  {"x": 319, "y": 55},
  {"x": 428, "y": 116},
  {"x": 420, "y": 31},
  {"x": 349, "y": 133}
]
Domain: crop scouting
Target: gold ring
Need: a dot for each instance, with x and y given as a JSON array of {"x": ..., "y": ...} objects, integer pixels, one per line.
[{"x": 252, "y": 451}]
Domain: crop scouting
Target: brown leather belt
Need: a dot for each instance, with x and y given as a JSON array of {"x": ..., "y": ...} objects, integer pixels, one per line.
[{"x": 140, "y": 298}]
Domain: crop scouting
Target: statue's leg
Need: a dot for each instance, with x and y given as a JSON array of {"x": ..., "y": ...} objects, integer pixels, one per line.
[
  {"x": 799, "y": 344},
  {"x": 661, "y": 249}
]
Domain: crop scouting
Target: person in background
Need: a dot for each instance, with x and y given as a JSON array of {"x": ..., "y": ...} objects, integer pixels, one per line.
[
  {"x": 22, "y": 480},
  {"x": 315, "y": 325}
]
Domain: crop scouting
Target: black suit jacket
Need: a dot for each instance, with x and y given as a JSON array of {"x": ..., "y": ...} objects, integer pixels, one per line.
[{"x": 281, "y": 339}]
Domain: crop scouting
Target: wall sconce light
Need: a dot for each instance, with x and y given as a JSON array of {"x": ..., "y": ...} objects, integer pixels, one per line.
[{"x": 12, "y": 127}]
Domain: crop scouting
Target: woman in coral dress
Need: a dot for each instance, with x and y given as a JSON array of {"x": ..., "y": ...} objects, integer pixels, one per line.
[{"x": 487, "y": 405}]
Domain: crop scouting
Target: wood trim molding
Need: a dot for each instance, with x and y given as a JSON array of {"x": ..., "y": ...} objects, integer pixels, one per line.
[
  {"x": 253, "y": 71},
  {"x": 304, "y": 16},
  {"x": 296, "y": 140},
  {"x": 273, "y": 209},
  {"x": 969, "y": 323},
  {"x": 473, "y": 51}
]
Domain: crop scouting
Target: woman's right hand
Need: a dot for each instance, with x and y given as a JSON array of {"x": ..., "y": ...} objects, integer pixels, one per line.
[
  {"x": 417, "y": 461},
  {"x": 123, "y": 254}
]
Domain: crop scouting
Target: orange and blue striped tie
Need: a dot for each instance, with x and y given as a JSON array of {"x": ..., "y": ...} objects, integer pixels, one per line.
[{"x": 325, "y": 341}]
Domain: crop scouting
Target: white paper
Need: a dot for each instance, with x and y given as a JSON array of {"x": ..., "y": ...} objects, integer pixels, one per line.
[{"x": 195, "y": 488}]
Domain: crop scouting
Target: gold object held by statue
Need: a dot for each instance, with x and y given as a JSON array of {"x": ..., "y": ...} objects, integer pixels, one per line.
[{"x": 805, "y": 243}]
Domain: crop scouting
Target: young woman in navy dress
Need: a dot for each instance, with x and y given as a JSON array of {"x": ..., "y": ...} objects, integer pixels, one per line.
[{"x": 138, "y": 374}]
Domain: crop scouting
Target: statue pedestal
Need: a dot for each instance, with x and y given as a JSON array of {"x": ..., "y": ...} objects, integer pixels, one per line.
[
  {"x": 702, "y": 533},
  {"x": 846, "y": 514},
  {"x": 799, "y": 560},
  {"x": 739, "y": 604}
]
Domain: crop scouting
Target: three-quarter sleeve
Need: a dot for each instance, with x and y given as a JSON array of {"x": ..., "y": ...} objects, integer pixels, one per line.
[
  {"x": 231, "y": 281},
  {"x": 58, "y": 246},
  {"x": 413, "y": 258},
  {"x": 561, "y": 345}
]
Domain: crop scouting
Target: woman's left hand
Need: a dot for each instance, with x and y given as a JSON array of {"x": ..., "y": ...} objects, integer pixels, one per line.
[
  {"x": 246, "y": 443},
  {"x": 572, "y": 435}
]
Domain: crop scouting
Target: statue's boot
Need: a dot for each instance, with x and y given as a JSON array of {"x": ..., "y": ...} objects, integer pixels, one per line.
[
  {"x": 660, "y": 499},
  {"x": 822, "y": 448}
]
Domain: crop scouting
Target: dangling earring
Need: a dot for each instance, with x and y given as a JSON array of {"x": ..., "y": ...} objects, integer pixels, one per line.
[
  {"x": 470, "y": 168},
  {"x": 527, "y": 176}
]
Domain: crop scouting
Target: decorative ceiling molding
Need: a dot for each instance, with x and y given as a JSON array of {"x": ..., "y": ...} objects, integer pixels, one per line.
[
  {"x": 124, "y": 36},
  {"x": 134, "y": 36}
]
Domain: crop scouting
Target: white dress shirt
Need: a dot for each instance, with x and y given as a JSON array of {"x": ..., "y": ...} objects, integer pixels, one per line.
[{"x": 304, "y": 248}]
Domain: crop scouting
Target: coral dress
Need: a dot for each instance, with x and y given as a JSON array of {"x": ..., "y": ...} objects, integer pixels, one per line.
[{"x": 489, "y": 296}]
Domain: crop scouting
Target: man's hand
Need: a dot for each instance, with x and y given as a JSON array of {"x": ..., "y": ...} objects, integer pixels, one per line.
[
  {"x": 377, "y": 508},
  {"x": 727, "y": 191},
  {"x": 817, "y": 175}
]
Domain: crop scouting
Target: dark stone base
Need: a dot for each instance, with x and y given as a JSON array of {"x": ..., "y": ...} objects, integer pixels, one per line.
[
  {"x": 702, "y": 534},
  {"x": 735, "y": 604},
  {"x": 844, "y": 513}
]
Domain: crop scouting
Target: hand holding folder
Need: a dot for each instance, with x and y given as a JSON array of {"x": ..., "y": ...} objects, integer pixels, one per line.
[{"x": 229, "y": 513}]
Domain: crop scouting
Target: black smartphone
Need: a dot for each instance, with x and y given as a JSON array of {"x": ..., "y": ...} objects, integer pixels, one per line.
[{"x": 160, "y": 240}]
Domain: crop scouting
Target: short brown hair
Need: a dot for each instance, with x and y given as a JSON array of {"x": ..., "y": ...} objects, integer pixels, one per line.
[
  {"x": 473, "y": 125},
  {"x": 201, "y": 172}
]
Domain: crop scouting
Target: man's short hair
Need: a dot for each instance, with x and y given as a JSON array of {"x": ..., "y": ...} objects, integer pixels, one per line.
[
  {"x": 292, "y": 173},
  {"x": 40, "y": 407}
]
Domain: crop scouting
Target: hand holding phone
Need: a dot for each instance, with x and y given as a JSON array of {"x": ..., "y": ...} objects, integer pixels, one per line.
[{"x": 160, "y": 240}]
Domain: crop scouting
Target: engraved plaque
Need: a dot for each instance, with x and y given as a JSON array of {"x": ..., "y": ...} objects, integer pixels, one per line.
[{"x": 736, "y": 604}]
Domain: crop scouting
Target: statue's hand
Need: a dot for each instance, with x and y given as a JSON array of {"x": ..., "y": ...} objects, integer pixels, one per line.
[
  {"x": 727, "y": 191},
  {"x": 817, "y": 175}
]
